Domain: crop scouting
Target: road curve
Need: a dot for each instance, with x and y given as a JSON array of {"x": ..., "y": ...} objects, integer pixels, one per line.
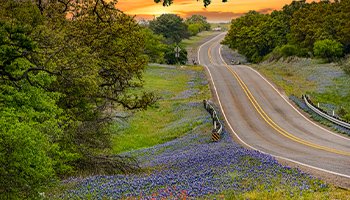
[{"x": 262, "y": 119}]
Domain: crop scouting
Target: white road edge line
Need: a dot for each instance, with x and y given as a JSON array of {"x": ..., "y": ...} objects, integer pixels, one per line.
[
  {"x": 346, "y": 138},
  {"x": 228, "y": 123}
]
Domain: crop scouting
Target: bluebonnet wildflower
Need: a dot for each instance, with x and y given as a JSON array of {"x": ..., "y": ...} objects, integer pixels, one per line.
[{"x": 195, "y": 166}]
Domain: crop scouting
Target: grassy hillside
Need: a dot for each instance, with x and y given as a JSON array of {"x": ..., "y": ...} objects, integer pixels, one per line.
[
  {"x": 178, "y": 111},
  {"x": 327, "y": 84}
]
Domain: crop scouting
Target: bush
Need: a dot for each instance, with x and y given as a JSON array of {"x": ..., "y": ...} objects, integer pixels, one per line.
[
  {"x": 328, "y": 49},
  {"x": 30, "y": 127},
  {"x": 286, "y": 51},
  {"x": 170, "y": 55},
  {"x": 289, "y": 50},
  {"x": 25, "y": 166},
  {"x": 194, "y": 29}
]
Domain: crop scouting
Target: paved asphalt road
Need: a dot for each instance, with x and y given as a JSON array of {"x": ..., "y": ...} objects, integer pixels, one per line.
[{"x": 262, "y": 119}]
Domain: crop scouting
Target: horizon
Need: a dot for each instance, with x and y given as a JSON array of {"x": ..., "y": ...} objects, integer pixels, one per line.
[{"x": 216, "y": 12}]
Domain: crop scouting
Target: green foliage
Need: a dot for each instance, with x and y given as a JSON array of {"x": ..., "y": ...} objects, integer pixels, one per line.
[
  {"x": 197, "y": 24},
  {"x": 62, "y": 67},
  {"x": 328, "y": 49},
  {"x": 171, "y": 27},
  {"x": 255, "y": 35},
  {"x": 289, "y": 50},
  {"x": 299, "y": 24},
  {"x": 29, "y": 125},
  {"x": 25, "y": 164},
  {"x": 170, "y": 55},
  {"x": 194, "y": 29},
  {"x": 284, "y": 51},
  {"x": 154, "y": 47}
]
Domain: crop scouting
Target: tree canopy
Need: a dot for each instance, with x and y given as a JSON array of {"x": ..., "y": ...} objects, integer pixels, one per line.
[
  {"x": 197, "y": 23},
  {"x": 64, "y": 70},
  {"x": 171, "y": 27},
  {"x": 154, "y": 46},
  {"x": 299, "y": 24}
]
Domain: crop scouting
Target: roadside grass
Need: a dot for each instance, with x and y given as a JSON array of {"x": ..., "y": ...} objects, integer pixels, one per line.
[
  {"x": 336, "y": 97},
  {"x": 182, "y": 90},
  {"x": 275, "y": 192},
  {"x": 326, "y": 83},
  {"x": 194, "y": 40}
]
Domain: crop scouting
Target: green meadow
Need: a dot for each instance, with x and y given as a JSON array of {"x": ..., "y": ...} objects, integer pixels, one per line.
[{"x": 181, "y": 90}]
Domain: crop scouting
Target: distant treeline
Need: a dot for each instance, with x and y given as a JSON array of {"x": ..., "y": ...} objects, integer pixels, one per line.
[{"x": 299, "y": 29}]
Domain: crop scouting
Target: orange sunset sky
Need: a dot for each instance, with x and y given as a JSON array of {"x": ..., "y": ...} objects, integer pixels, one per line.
[{"x": 215, "y": 12}]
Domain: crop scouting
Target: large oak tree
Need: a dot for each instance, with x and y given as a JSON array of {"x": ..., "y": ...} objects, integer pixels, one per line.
[{"x": 64, "y": 70}]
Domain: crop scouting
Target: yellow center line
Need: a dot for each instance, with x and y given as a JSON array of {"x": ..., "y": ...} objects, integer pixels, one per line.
[{"x": 268, "y": 120}]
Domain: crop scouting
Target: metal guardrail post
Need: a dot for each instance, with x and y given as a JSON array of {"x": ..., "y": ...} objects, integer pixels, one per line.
[
  {"x": 320, "y": 112},
  {"x": 218, "y": 128},
  {"x": 215, "y": 136}
]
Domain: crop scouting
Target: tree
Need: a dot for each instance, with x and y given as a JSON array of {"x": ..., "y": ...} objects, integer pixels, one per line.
[
  {"x": 63, "y": 68},
  {"x": 297, "y": 26},
  {"x": 30, "y": 120},
  {"x": 154, "y": 47},
  {"x": 169, "y": 2},
  {"x": 328, "y": 49},
  {"x": 342, "y": 25},
  {"x": 170, "y": 55},
  {"x": 311, "y": 23},
  {"x": 171, "y": 27},
  {"x": 250, "y": 36},
  {"x": 197, "y": 23}
]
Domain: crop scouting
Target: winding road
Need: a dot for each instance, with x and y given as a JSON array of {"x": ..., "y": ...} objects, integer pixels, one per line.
[{"x": 261, "y": 118}]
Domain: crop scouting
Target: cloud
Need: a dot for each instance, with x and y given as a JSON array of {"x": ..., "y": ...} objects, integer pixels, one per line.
[
  {"x": 129, "y": 5},
  {"x": 215, "y": 16},
  {"x": 216, "y": 12},
  {"x": 144, "y": 17},
  {"x": 266, "y": 10}
]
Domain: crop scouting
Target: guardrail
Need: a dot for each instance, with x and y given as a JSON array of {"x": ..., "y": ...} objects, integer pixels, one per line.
[
  {"x": 324, "y": 114},
  {"x": 218, "y": 127}
]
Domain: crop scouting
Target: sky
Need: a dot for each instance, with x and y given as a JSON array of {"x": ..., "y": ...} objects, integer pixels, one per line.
[{"x": 217, "y": 11}]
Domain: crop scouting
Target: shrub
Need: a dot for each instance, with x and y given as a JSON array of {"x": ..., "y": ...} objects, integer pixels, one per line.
[
  {"x": 170, "y": 55},
  {"x": 25, "y": 166},
  {"x": 194, "y": 29},
  {"x": 328, "y": 49},
  {"x": 289, "y": 50}
]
